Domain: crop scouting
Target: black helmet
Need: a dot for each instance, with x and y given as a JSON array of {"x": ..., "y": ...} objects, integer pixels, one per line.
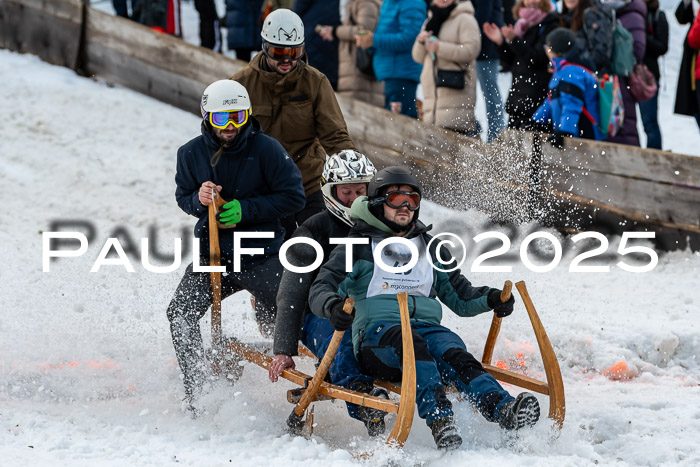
[{"x": 394, "y": 175}]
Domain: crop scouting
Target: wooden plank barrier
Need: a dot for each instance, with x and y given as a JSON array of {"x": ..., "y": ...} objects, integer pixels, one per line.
[{"x": 588, "y": 185}]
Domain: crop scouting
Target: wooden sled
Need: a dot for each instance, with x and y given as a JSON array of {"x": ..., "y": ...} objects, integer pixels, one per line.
[{"x": 314, "y": 388}]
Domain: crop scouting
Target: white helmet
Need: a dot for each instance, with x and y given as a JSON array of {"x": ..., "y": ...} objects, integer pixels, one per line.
[
  {"x": 283, "y": 27},
  {"x": 224, "y": 95},
  {"x": 346, "y": 167}
]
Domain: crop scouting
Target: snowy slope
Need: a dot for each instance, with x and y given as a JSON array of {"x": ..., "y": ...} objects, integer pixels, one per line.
[{"x": 87, "y": 371}]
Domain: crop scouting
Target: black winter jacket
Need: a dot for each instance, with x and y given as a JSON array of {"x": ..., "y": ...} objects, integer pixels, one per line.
[
  {"x": 657, "y": 40},
  {"x": 686, "y": 102},
  {"x": 528, "y": 62},
  {"x": 257, "y": 172},
  {"x": 323, "y": 55},
  {"x": 488, "y": 11},
  {"x": 293, "y": 292}
]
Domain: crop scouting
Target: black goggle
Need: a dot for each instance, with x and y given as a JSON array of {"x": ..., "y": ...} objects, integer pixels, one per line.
[{"x": 398, "y": 199}]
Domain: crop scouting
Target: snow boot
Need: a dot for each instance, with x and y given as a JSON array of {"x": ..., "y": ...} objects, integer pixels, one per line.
[
  {"x": 445, "y": 433},
  {"x": 373, "y": 418},
  {"x": 522, "y": 411}
]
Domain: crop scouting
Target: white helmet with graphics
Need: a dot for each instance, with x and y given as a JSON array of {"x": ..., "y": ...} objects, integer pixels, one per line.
[
  {"x": 346, "y": 167},
  {"x": 284, "y": 28},
  {"x": 223, "y": 96}
]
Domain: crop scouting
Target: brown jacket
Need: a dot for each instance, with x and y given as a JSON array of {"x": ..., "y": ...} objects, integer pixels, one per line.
[
  {"x": 359, "y": 14},
  {"x": 300, "y": 111},
  {"x": 459, "y": 45}
]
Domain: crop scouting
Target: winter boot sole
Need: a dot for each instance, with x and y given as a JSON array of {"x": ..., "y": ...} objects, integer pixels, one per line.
[{"x": 525, "y": 410}]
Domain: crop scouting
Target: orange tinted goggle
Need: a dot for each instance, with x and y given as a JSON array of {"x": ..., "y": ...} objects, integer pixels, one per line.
[
  {"x": 399, "y": 199},
  {"x": 283, "y": 53}
]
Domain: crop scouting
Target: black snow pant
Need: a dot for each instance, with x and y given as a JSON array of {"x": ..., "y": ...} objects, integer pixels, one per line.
[
  {"x": 209, "y": 28},
  {"x": 192, "y": 300}
]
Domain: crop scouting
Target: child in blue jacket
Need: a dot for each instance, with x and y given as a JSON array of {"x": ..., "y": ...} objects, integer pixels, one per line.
[{"x": 572, "y": 103}]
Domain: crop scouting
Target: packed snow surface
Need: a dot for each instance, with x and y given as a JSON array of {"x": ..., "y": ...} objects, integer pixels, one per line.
[{"x": 87, "y": 369}]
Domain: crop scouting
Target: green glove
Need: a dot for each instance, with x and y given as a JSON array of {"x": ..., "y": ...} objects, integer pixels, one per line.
[{"x": 231, "y": 213}]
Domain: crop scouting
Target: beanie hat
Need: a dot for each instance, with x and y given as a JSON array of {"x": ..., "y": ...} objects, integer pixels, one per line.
[{"x": 561, "y": 40}]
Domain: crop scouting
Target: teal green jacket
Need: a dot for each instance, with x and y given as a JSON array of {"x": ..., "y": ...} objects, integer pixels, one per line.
[{"x": 334, "y": 284}]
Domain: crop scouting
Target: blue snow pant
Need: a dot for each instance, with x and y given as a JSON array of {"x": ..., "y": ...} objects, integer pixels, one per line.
[
  {"x": 403, "y": 91},
  {"x": 316, "y": 334},
  {"x": 441, "y": 359},
  {"x": 487, "y": 73}
]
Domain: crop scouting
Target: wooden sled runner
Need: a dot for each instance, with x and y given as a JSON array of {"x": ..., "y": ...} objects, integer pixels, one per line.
[{"x": 314, "y": 388}]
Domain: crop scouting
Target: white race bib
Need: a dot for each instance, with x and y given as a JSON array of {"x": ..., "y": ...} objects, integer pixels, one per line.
[{"x": 416, "y": 281}]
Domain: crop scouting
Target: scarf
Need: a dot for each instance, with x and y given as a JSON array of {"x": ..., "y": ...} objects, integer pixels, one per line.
[
  {"x": 439, "y": 15},
  {"x": 530, "y": 17}
]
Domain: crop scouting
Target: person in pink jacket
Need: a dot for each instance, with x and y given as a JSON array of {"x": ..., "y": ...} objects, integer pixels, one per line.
[{"x": 694, "y": 42}]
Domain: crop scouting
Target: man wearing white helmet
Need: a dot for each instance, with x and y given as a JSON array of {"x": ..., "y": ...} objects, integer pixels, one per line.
[
  {"x": 261, "y": 183},
  {"x": 345, "y": 178},
  {"x": 295, "y": 104}
]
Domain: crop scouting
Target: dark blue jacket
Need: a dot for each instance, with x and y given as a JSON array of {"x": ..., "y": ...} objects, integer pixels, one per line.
[
  {"x": 571, "y": 89},
  {"x": 243, "y": 24},
  {"x": 256, "y": 171},
  {"x": 399, "y": 24},
  {"x": 323, "y": 55},
  {"x": 488, "y": 11}
]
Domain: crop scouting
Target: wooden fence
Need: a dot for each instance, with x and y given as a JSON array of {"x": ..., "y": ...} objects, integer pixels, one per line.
[{"x": 588, "y": 185}]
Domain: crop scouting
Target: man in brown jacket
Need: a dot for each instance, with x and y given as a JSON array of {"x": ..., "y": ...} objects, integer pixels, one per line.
[{"x": 295, "y": 104}]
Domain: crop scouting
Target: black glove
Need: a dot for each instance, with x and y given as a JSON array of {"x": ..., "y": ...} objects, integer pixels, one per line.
[
  {"x": 340, "y": 320},
  {"x": 557, "y": 139},
  {"x": 502, "y": 309}
]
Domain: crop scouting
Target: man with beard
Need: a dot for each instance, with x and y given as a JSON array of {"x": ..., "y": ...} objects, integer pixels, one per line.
[
  {"x": 388, "y": 221},
  {"x": 262, "y": 184},
  {"x": 296, "y": 105}
]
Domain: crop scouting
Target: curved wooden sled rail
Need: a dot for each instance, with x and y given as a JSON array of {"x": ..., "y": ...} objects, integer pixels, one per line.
[
  {"x": 554, "y": 387},
  {"x": 407, "y": 406}
]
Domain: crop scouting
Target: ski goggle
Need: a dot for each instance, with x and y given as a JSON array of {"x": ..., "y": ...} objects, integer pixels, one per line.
[
  {"x": 221, "y": 120},
  {"x": 399, "y": 199},
  {"x": 281, "y": 53}
]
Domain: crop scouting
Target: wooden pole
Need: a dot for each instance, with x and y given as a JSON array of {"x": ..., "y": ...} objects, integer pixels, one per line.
[
  {"x": 495, "y": 326},
  {"x": 407, "y": 406},
  {"x": 215, "y": 260},
  {"x": 297, "y": 377},
  {"x": 323, "y": 367}
]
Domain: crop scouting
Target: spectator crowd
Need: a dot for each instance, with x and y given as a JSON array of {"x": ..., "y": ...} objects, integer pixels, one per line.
[{"x": 580, "y": 68}]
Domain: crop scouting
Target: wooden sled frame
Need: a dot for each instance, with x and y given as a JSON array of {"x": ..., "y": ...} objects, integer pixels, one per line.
[{"x": 315, "y": 388}]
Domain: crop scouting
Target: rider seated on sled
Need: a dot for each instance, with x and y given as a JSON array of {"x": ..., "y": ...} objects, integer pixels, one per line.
[
  {"x": 345, "y": 177},
  {"x": 391, "y": 210}
]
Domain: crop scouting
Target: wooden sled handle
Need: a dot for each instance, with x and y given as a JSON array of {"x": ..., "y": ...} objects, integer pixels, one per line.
[
  {"x": 325, "y": 364},
  {"x": 495, "y": 326},
  {"x": 407, "y": 405},
  {"x": 215, "y": 260}
]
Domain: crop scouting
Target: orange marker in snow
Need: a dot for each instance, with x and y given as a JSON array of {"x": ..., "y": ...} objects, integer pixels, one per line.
[{"x": 620, "y": 372}]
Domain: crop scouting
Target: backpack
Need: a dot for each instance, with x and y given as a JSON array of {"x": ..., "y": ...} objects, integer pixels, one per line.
[
  {"x": 611, "y": 110},
  {"x": 610, "y": 106},
  {"x": 598, "y": 34},
  {"x": 609, "y": 44},
  {"x": 623, "y": 60}
]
